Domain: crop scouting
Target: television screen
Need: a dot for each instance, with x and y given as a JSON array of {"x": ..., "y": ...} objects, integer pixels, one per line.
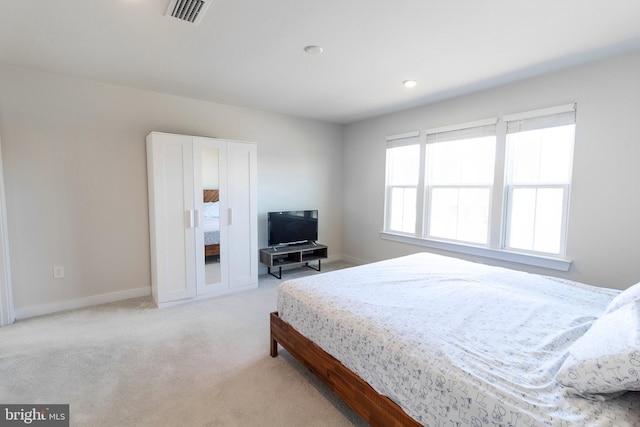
[{"x": 289, "y": 227}]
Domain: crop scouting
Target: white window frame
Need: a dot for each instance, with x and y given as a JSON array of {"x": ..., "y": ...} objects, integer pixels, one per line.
[
  {"x": 545, "y": 118},
  {"x": 563, "y": 224},
  {"x": 463, "y": 131},
  {"x": 403, "y": 140},
  {"x": 427, "y": 216},
  {"x": 499, "y": 194}
]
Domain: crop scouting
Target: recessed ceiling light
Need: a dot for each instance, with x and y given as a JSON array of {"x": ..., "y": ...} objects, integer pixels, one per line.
[
  {"x": 313, "y": 50},
  {"x": 409, "y": 83}
]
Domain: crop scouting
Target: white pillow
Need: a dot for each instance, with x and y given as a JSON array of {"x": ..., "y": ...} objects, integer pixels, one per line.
[
  {"x": 605, "y": 361},
  {"x": 212, "y": 209},
  {"x": 625, "y": 297}
]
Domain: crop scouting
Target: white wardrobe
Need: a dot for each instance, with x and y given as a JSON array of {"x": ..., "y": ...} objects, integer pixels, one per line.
[{"x": 185, "y": 230}]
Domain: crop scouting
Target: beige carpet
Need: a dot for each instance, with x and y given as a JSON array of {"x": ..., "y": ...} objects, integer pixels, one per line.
[{"x": 199, "y": 364}]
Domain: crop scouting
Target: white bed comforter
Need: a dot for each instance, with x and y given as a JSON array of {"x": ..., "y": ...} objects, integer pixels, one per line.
[{"x": 457, "y": 343}]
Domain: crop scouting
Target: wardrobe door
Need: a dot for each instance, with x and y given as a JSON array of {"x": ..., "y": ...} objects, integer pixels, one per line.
[
  {"x": 210, "y": 179},
  {"x": 243, "y": 214},
  {"x": 172, "y": 216}
]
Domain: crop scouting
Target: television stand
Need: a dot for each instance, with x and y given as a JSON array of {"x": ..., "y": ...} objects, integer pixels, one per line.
[{"x": 292, "y": 255}]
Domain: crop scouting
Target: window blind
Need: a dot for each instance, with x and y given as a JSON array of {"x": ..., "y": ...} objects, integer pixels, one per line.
[
  {"x": 403, "y": 139},
  {"x": 540, "y": 119},
  {"x": 465, "y": 131}
]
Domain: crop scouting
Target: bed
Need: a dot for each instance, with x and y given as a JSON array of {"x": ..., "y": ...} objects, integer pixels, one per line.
[
  {"x": 211, "y": 218},
  {"x": 437, "y": 341}
]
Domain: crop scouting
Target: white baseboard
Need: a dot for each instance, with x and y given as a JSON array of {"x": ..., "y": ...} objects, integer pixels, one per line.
[
  {"x": 333, "y": 258},
  {"x": 353, "y": 260},
  {"x": 41, "y": 309}
]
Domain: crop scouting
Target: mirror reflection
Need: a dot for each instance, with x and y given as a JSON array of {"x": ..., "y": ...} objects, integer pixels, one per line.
[{"x": 211, "y": 214}]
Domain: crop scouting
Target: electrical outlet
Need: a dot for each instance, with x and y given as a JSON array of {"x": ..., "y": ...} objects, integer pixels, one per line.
[{"x": 58, "y": 272}]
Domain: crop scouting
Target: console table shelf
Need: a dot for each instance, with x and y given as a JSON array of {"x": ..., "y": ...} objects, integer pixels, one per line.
[{"x": 291, "y": 255}]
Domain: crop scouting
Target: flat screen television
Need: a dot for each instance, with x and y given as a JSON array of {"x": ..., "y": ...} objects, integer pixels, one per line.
[{"x": 290, "y": 227}]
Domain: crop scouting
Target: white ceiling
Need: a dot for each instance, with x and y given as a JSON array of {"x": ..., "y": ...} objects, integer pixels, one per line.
[{"x": 250, "y": 52}]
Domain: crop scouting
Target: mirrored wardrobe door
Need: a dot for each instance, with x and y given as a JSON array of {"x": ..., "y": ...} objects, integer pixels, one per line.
[{"x": 210, "y": 190}]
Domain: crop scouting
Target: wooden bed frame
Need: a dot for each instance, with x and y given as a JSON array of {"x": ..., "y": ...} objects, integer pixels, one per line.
[
  {"x": 211, "y": 196},
  {"x": 376, "y": 409}
]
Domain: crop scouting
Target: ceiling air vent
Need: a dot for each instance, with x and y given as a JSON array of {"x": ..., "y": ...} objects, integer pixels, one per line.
[{"x": 188, "y": 10}]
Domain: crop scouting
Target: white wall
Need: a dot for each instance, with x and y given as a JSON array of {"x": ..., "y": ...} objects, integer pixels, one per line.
[
  {"x": 604, "y": 230},
  {"x": 75, "y": 174}
]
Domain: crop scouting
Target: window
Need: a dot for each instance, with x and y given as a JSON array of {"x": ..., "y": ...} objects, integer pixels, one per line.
[
  {"x": 441, "y": 187},
  {"x": 459, "y": 182},
  {"x": 403, "y": 169},
  {"x": 538, "y": 177}
]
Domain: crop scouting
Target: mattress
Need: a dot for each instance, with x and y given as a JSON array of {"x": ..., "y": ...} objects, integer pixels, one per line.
[{"x": 457, "y": 343}]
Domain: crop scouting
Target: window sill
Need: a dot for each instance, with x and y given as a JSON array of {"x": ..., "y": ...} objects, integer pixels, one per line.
[{"x": 520, "y": 258}]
